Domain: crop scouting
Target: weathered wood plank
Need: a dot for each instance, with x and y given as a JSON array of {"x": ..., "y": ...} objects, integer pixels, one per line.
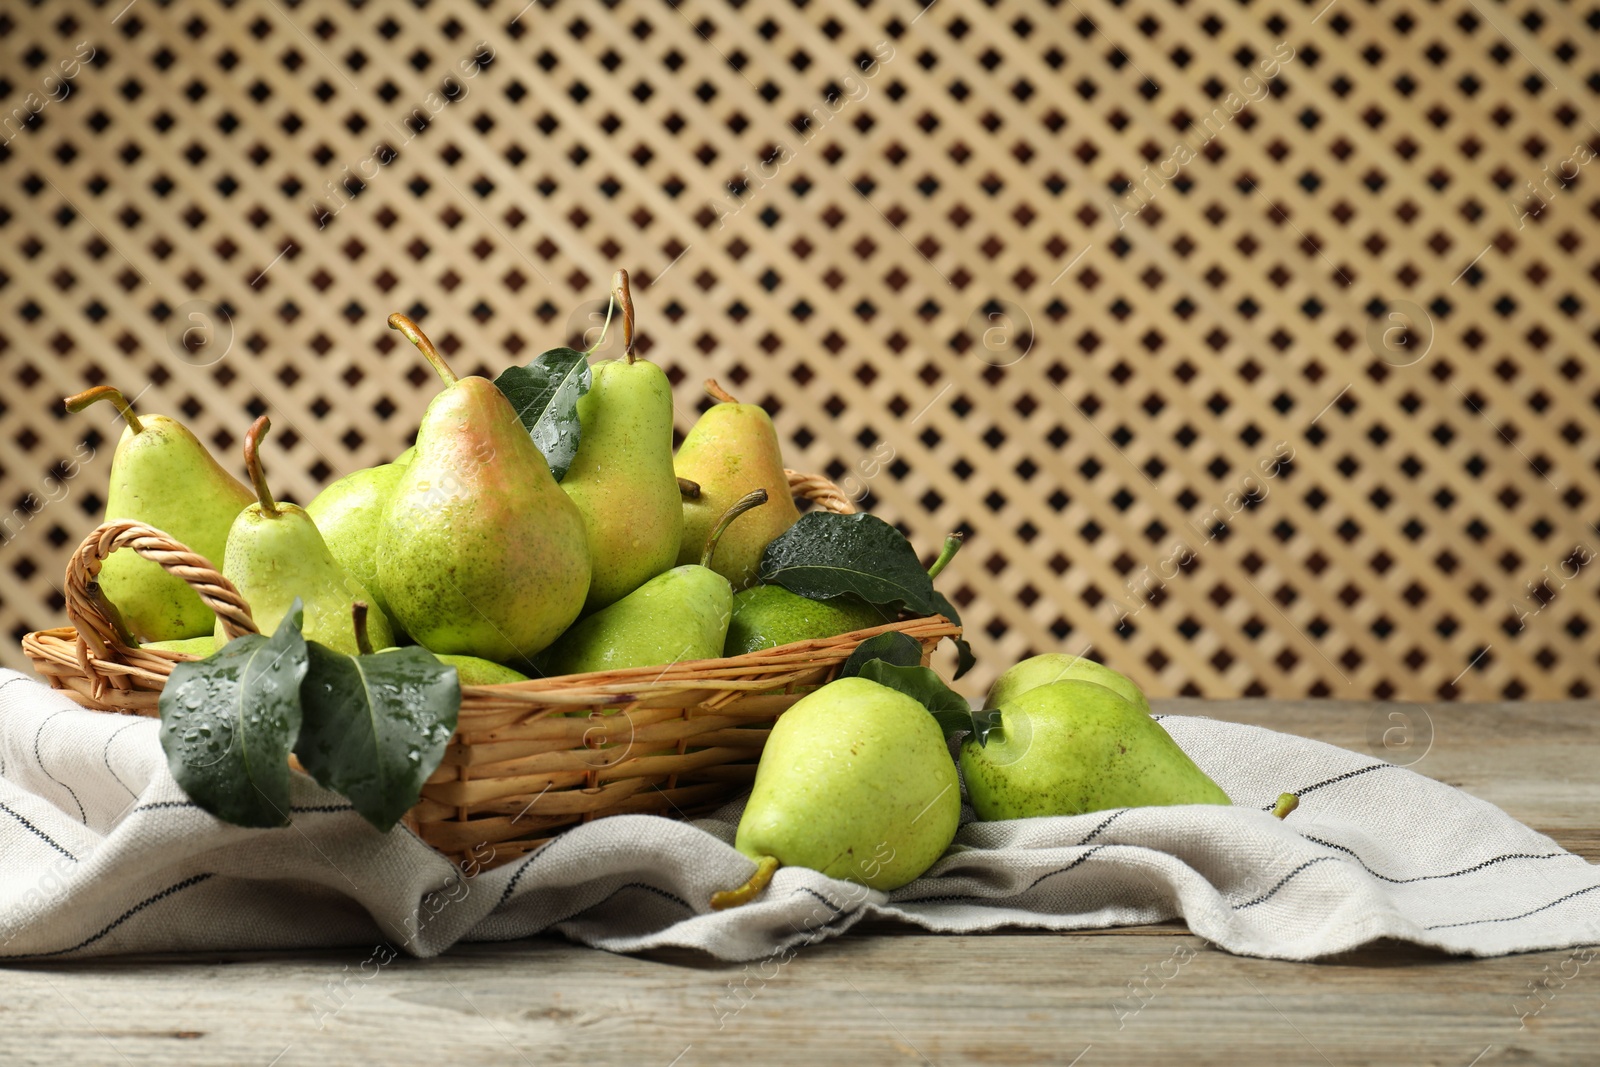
[
  {"x": 875, "y": 997},
  {"x": 884, "y": 993}
]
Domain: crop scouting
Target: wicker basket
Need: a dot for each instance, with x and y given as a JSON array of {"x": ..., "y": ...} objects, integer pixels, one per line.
[{"x": 675, "y": 740}]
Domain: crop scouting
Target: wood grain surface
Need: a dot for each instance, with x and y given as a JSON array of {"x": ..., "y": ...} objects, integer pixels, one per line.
[{"x": 888, "y": 994}]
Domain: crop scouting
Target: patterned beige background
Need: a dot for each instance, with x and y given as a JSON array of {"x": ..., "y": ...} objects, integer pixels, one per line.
[{"x": 1254, "y": 345}]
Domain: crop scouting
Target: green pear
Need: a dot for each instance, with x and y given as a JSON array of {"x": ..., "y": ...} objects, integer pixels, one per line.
[
  {"x": 1071, "y": 747},
  {"x": 731, "y": 450},
  {"x": 161, "y": 475},
  {"x": 621, "y": 477},
  {"x": 349, "y": 513},
  {"x": 479, "y": 551},
  {"x": 275, "y": 554},
  {"x": 470, "y": 670},
  {"x": 675, "y": 617},
  {"x": 765, "y": 616},
  {"x": 855, "y": 781},
  {"x": 1059, "y": 667},
  {"x": 474, "y": 671},
  {"x": 201, "y": 646}
]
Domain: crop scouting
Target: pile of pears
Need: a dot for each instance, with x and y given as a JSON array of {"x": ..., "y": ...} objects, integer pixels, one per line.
[
  {"x": 857, "y": 781},
  {"x": 468, "y": 546}
]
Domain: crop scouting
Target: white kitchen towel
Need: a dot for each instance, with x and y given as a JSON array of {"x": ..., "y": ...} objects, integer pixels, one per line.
[{"x": 101, "y": 852}]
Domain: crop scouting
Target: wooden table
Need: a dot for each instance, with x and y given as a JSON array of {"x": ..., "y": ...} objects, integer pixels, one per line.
[{"x": 888, "y": 994}]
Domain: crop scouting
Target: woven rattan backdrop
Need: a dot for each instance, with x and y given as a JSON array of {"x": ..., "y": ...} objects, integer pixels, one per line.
[{"x": 1254, "y": 343}]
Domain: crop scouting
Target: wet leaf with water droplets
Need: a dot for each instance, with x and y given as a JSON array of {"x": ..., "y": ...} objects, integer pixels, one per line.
[
  {"x": 545, "y": 395},
  {"x": 376, "y": 726},
  {"x": 228, "y": 722},
  {"x": 824, "y": 555}
]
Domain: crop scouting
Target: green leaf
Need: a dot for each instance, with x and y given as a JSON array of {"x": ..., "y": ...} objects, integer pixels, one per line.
[
  {"x": 893, "y": 647},
  {"x": 964, "y": 657},
  {"x": 826, "y": 555},
  {"x": 545, "y": 395},
  {"x": 376, "y": 726},
  {"x": 228, "y": 722},
  {"x": 983, "y": 722},
  {"x": 951, "y": 709}
]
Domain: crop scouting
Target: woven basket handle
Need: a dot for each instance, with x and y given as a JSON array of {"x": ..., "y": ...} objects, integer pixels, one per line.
[
  {"x": 89, "y": 615},
  {"x": 86, "y": 611},
  {"x": 821, "y": 492}
]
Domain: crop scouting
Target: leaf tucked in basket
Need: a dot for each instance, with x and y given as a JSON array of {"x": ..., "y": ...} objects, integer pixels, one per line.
[
  {"x": 892, "y": 664},
  {"x": 376, "y": 726},
  {"x": 228, "y": 722},
  {"x": 825, "y": 555},
  {"x": 892, "y": 647},
  {"x": 371, "y": 727},
  {"x": 964, "y": 657}
]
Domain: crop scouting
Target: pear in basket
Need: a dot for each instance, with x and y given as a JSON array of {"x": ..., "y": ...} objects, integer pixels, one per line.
[
  {"x": 200, "y": 647},
  {"x": 275, "y": 554},
  {"x": 1072, "y": 747},
  {"x": 621, "y": 477},
  {"x": 675, "y": 617},
  {"x": 161, "y": 475},
  {"x": 348, "y": 514},
  {"x": 765, "y": 616},
  {"x": 470, "y": 670},
  {"x": 731, "y": 450},
  {"x": 479, "y": 553},
  {"x": 474, "y": 671},
  {"x": 855, "y": 781}
]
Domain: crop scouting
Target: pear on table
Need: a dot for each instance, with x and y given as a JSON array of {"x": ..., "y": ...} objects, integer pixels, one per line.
[
  {"x": 856, "y": 782},
  {"x": 479, "y": 552},
  {"x": 275, "y": 554},
  {"x": 731, "y": 450},
  {"x": 622, "y": 477},
  {"x": 675, "y": 617},
  {"x": 1070, "y": 747},
  {"x": 1060, "y": 667},
  {"x": 162, "y": 476}
]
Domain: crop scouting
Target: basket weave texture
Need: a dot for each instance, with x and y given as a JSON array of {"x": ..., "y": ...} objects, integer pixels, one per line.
[{"x": 528, "y": 759}]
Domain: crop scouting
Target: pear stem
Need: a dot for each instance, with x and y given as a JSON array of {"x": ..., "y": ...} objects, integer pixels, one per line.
[
  {"x": 718, "y": 393},
  {"x": 766, "y": 867},
  {"x": 106, "y": 392},
  {"x": 754, "y": 498},
  {"x": 414, "y": 334},
  {"x": 622, "y": 295},
  {"x": 358, "y": 612},
  {"x": 1287, "y": 802},
  {"x": 952, "y": 545},
  {"x": 688, "y": 490},
  {"x": 252, "y": 463}
]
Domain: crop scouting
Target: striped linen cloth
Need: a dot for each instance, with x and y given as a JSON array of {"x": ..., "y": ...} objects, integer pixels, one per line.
[{"x": 101, "y": 853}]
